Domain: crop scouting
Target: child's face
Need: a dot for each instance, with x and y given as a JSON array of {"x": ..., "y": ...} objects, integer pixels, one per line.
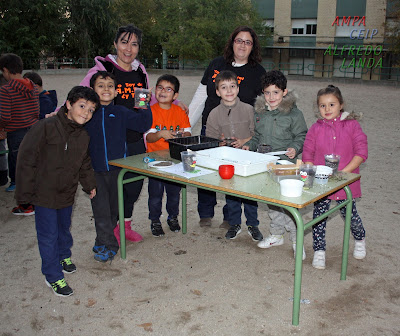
[
  {"x": 105, "y": 88},
  {"x": 329, "y": 106},
  {"x": 273, "y": 96},
  {"x": 165, "y": 92},
  {"x": 228, "y": 90},
  {"x": 81, "y": 111}
]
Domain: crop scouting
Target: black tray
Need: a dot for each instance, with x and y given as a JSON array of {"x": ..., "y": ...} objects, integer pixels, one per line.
[{"x": 197, "y": 142}]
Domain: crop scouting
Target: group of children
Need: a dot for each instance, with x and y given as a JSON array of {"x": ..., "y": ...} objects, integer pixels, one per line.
[{"x": 60, "y": 151}]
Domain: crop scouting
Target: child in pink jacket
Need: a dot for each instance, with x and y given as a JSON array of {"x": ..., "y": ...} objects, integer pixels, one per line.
[{"x": 339, "y": 133}]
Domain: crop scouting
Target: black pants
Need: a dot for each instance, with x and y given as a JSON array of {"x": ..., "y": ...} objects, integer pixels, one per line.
[
  {"x": 105, "y": 209},
  {"x": 132, "y": 190}
]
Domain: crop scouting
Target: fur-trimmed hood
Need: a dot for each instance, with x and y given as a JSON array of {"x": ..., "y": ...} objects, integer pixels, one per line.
[
  {"x": 285, "y": 106},
  {"x": 343, "y": 116}
]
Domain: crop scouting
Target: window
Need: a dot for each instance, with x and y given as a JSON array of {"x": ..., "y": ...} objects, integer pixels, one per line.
[
  {"x": 311, "y": 29},
  {"x": 297, "y": 31}
]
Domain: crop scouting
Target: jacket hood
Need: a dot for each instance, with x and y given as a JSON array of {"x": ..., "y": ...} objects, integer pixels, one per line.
[
  {"x": 344, "y": 116},
  {"x": 288, "y": 102},
  {"x": 24, "y": 86},
  {"x": 135, "y": 64}
]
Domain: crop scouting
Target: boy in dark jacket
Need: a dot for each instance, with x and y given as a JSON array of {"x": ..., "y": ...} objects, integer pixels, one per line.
[
  {"x": 19, "y": 110},
  {"x": 47, "y": 98},
  {"x": 52, "y": 159},
  {"x": 107, "y": 132}
]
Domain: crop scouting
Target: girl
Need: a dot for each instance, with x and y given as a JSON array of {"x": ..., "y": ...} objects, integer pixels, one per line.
[{"x": 336, "y": 132}]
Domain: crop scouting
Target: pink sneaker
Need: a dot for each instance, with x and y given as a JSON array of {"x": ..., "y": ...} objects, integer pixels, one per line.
[{"x": 130, "y": 234}]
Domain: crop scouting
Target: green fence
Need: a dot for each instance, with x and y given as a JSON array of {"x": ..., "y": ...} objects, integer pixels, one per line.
[{"x": 292, "y": 68}]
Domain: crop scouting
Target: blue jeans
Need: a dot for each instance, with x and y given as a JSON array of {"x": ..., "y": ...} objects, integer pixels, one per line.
[
  {"x": 54, "y": 239},
  {"x": 156, "y": 193},
  {"x": 234, "y": 205},
  {"x": 14, "y": 140}
]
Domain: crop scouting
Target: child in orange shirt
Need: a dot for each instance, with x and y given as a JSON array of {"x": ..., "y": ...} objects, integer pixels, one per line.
[{"x": 167, "y": 119}]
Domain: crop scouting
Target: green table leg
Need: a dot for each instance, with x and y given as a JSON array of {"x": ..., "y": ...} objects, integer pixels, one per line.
[
  {"x": 184, "y": 209},
  {"x": 120, "y": 184},
  {"x": 298, "y": 265},
  {"x": 346, "y": 235}
]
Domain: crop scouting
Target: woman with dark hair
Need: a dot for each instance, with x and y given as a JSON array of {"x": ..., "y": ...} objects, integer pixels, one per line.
[
  {"x": 130, "y": 73},
  {"x": 242, "y": 56}
]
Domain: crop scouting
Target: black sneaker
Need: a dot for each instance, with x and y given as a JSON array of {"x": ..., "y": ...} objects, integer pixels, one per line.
[
  {"x": 60, "y": 287},
  {"x": 105, "y": 255},
  {"x": 255, "y": 233},
  {"x": 233, "y": 232},
  {"x": 68, "y": 266},
  {"x": 156, "y": 229},
  {"x": 173, "y": 224}
]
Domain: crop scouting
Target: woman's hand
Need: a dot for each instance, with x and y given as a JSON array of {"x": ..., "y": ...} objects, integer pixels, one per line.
[{"x": 183, "y": 107}]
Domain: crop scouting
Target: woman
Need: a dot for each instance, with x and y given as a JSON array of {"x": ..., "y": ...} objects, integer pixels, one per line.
[{"x": 242, "y": 56}]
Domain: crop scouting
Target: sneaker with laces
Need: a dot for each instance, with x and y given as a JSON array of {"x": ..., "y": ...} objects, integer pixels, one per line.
[
  {"x": 294, "y": 251},
  {"x": 359, "y": 249},
  {"x": 68, "y": 266},
  {"x": 255, "y": 233},
  {"x": 173, "y": 224},
  {"x": 11, "y": 187},
  {"x": 270, "y": 241},
  {"x": 98, "y": 248},
  {"x": 233, "y": 232},
  {"x": 60, "y": 287},
  {"x": 105, "y": 255},
  {"x": 156, "y": 229},
  {"x": 20, "y": 211},
  {"x": 319, "y": 260}
]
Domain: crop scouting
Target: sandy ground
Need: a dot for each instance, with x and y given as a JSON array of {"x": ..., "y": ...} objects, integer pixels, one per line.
[{"x": 202, "y": 284}]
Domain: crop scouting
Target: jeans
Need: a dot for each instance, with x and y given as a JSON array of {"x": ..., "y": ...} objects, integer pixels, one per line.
[
  {"x": 156, "y": 193},
  {"x": 54, "y": 239},
  {"x": 14, "y": 140},
  {"x": 234, "y": 205},
  {"x": 105, "y": 209},
  {"x": 132, "y": 190}
]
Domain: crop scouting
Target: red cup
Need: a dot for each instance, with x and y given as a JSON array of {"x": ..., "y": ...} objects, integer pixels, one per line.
[{"x": 226, "y": 171}]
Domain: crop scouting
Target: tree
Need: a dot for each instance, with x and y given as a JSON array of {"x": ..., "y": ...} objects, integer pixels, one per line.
[
  {"x": 190, "y": 29},
  {"x": 31, "y": 29},
  {"x": 393, "y": 29},
  {"x": 90, "y": 29}
]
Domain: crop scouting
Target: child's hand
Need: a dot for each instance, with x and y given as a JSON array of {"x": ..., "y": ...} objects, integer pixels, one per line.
[
  {"x": 166, "y": 134},
  {"x": 246, "y": 147},
  {"x": 290, "y": 153},
  {"x": 183, "y": 107},
  {"x": 92, "y": 194}
]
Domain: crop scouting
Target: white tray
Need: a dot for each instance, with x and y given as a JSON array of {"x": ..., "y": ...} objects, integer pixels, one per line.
[{"x": 246, "y": 163}]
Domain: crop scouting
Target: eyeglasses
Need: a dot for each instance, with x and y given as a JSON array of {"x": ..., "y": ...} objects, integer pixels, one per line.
[
  {"x": 166, "y": 89},
  {"x": 245, "y": 42}
]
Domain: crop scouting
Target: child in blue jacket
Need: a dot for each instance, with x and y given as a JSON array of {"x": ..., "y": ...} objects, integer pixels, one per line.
[{"x": 107, "y": 131}]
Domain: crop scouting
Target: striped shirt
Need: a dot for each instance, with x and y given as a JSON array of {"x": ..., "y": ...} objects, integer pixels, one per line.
[{"x": 19, "y": 104}]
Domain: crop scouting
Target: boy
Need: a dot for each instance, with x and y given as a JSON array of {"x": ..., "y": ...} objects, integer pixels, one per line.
[
  {"x": 107, "y": 131},
  {"x": 167, "y": 119},
  {"x": 52, "y": 159},
  {"x": 19, "y": 110},
  {"x": 47, "y": 99},
  {"x": 234, "y": 119},
  {"x": 280, "y": 124}
]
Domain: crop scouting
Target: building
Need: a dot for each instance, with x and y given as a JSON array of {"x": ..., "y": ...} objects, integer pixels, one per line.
[{"x": 329, "y": 38}]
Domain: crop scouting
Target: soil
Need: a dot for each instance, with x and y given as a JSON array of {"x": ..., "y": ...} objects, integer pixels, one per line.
[{"x": 202, "y": 284}]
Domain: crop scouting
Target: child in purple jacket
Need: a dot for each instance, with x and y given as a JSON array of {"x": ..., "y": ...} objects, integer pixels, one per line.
[{"x": 336, "y": 132}]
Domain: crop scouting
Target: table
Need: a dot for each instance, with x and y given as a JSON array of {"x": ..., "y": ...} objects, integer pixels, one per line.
[{"x": 257, "y": 187}]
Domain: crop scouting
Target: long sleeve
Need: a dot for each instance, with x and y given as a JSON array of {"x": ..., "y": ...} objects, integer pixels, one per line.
[{"x": 197, "y": 104}]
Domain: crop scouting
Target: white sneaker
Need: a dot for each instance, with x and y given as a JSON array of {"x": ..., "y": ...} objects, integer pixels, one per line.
[
  {"x": 294, "y": 251},
  {"x": 272, "y": 240},
  {"x": 319, "y": 260},
  {"x": 359, "y": 249}
]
